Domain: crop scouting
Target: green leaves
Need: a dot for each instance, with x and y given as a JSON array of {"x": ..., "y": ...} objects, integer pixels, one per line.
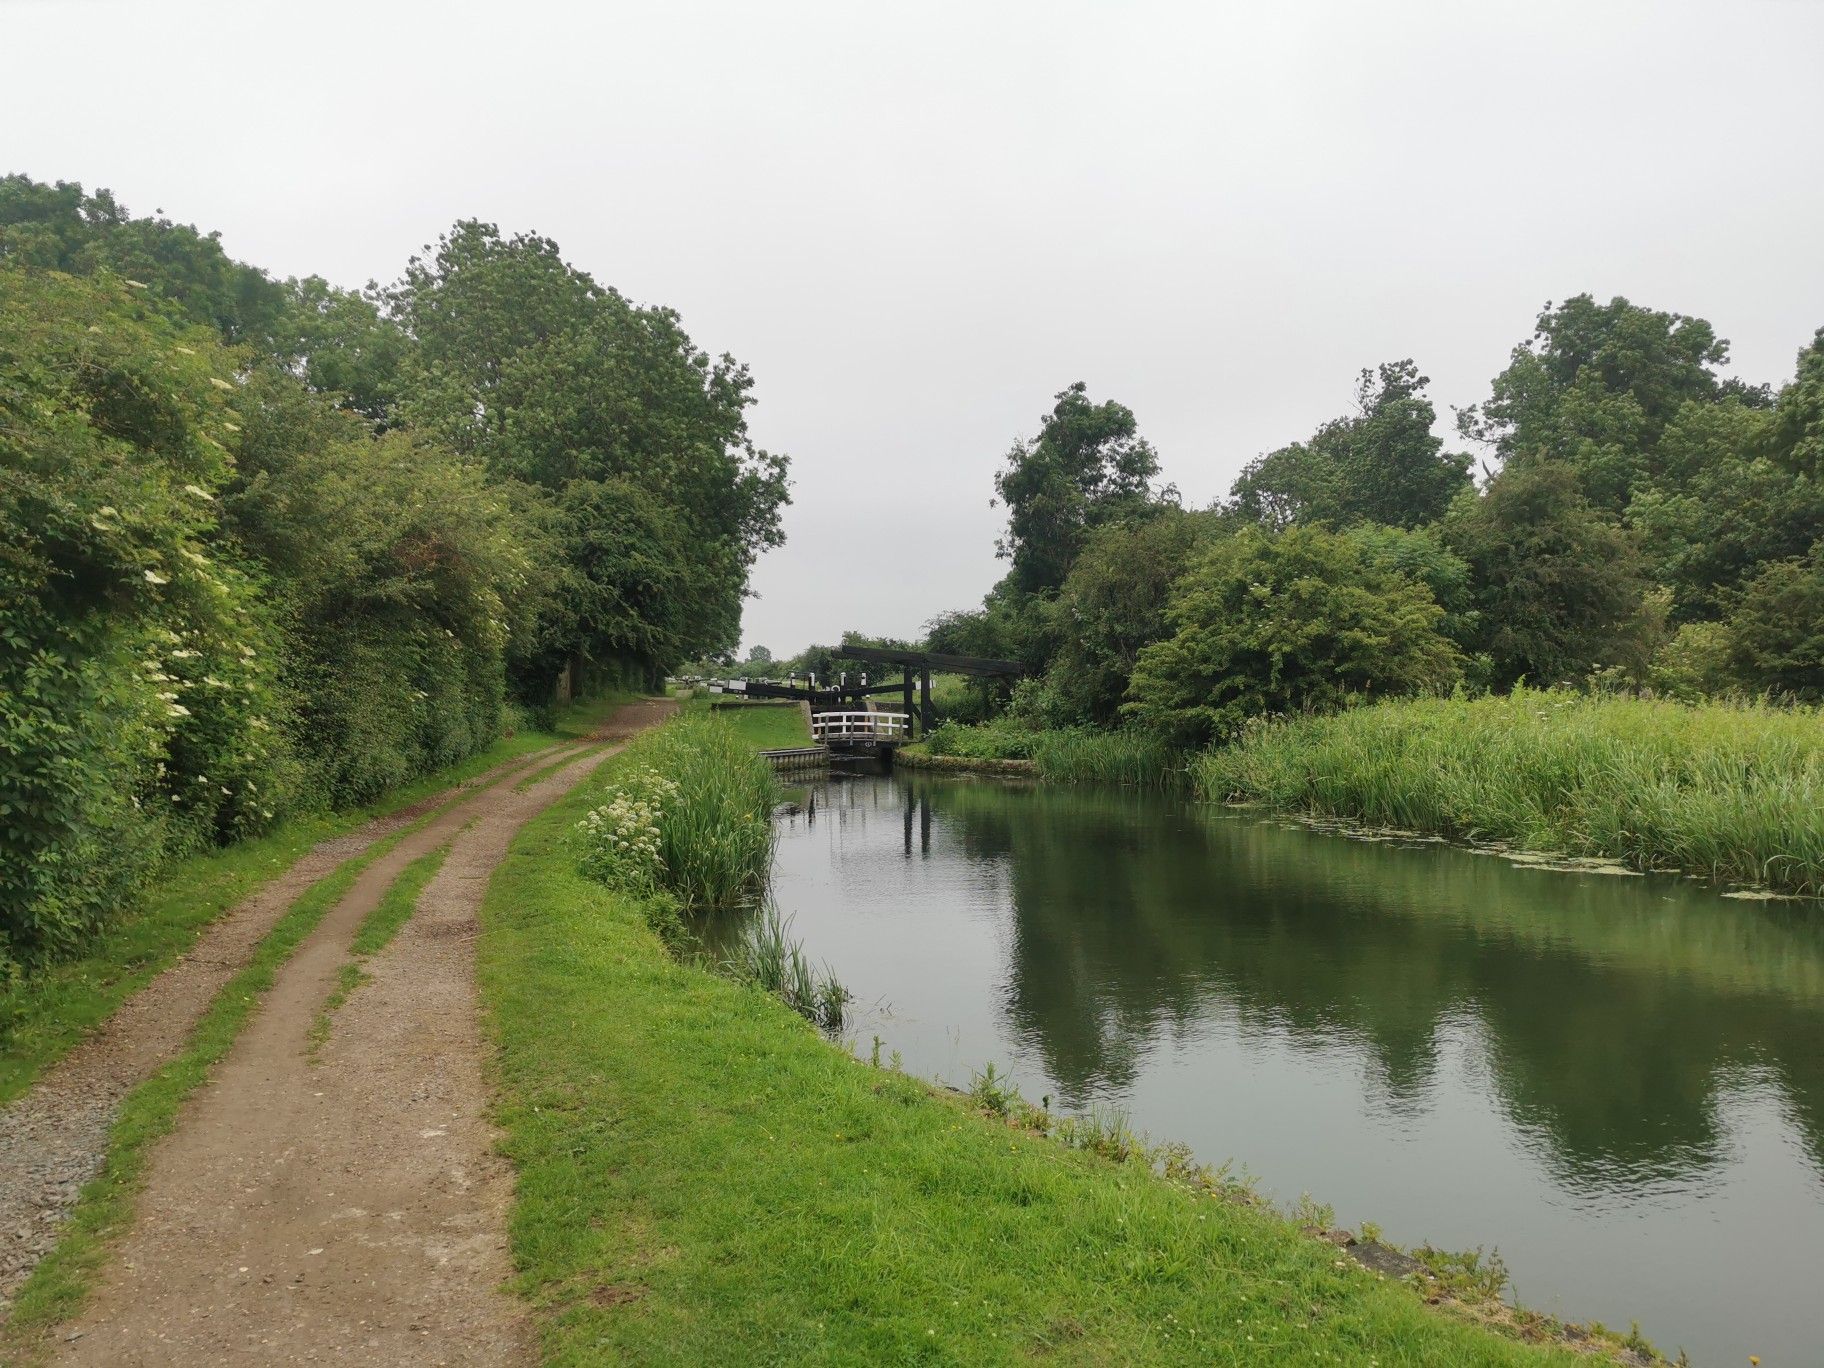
[{"x": 1300, "y": 621}]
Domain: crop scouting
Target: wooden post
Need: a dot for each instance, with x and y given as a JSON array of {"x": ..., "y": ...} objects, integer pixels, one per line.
[
  {"x": 924, "y": 699},
  {"x": 908, "y": 702}
]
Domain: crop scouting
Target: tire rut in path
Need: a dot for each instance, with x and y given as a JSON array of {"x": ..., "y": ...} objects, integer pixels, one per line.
[
  {"x": 54, "y": 1135},
  {"x": 351, "y": 1209}
]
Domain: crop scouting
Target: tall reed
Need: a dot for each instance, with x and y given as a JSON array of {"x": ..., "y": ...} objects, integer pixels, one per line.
[
  {"x": 767, "y": 957},
  {"x": 1732, "y": 791},
  {"x": 710, "y": 819},
  {"x": 1080, "y": 755}
]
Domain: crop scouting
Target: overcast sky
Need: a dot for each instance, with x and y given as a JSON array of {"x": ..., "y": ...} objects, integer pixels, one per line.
[{"x": 917, "y": 224}]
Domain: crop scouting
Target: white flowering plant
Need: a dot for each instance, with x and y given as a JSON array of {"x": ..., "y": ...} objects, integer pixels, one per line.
[{"x": 620, "y": 841}]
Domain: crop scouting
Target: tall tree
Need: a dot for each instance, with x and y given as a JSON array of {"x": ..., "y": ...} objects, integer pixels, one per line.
[
  {"x": 1596, "y": 387},
  {"x": 1380, "y": 465},
  {"x": 1087, "y": 467},
  {"x": 1558, "y": 588}
]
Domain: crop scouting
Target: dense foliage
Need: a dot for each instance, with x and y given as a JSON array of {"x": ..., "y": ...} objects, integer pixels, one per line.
[
  {"x": 269, "y": 546},
  {"x": 1728, "y": 790},
  {"x": 1642, "y": 521}
]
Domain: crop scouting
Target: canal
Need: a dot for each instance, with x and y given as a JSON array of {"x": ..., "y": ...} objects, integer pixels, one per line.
[{"x": 1616, "y": 1082}]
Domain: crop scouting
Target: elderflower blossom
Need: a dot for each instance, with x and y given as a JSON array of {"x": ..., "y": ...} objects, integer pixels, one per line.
[{"x": 620, "y": 839}]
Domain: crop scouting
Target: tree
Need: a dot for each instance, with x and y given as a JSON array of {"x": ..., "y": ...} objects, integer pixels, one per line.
[
  {"x": 62, "y": 228},
  {"x": 1112, "y": 606},
  {"x": 1776, "y": 633},
  {"x": 561, "y": 384},
  {"x": 1595, "y": 389},
  {"x": 1795, "y": 438},
  {"x": 1301, "y": 620},
  {"x": 1382, "y": 465},
  {"x": 1558, "y": 589},
  {"x": 1088, "y": 467}
]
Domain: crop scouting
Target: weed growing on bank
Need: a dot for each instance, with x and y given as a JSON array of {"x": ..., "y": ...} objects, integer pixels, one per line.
[{"x": 1732, "y": 791}]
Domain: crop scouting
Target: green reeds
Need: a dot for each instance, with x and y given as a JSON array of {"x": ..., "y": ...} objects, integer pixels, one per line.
[
  {"x": 1082, "y": 756},
  {"x": 769, "y": 958},
  {"x": 1730, "y": 791},
  {"x": 1066, "y": 755},
  {"x": 715, "y": 832}
]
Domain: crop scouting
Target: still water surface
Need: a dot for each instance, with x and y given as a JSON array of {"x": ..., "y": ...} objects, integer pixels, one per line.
[{"x": 1617, "y": 1082}]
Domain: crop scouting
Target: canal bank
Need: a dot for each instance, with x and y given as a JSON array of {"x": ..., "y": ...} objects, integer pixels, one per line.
[
  {"x": 702, "y": 1177},
  {"x": 1612, "y": 1081}
]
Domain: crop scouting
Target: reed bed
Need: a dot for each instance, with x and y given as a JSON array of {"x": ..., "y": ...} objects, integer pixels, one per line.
[
  {"x": 1081, "y": 756},
  {"x": 691, "y": 813},
  {"x": 1730, "y": 791},
  {"x": 1068, "y": 755}
]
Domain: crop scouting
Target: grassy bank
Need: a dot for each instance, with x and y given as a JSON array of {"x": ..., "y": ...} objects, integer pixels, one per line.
[
  {"x": 1732, "y": 792},
  {"x": 1069, "y": 755},
  {"x": 703, "y": 1178},
  {"x": 764, "y": 726},
  {"x": 45, "y": 1016}
]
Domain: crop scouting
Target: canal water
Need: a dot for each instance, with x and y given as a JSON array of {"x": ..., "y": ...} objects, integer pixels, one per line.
[{"x": 1616, "y": 1082}]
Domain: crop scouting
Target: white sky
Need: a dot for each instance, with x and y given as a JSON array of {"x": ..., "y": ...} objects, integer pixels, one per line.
[{"x": 917, "y": 223}]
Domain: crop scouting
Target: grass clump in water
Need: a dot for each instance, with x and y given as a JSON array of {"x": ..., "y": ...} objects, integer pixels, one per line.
[
  {"x": 768, "y": 958},
  {"x": 1731, "y": 791},
  {"x": 1069, "y": 755}
]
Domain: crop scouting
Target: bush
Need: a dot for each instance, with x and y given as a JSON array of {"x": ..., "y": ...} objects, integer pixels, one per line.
[
  {"x": 1303, "y": 620},
  {"x": 137, "y": 704}
]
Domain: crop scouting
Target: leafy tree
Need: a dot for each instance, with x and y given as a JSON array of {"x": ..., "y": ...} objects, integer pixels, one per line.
[
  {"x": 62, "y": 228},
  {"x": 759, "y": 657},
  {"x": 560, "y": 383},
  {"x": 1720, "y": 509},
  {"x": 1595, "y": 389},
  {"x": 1300, "y": 620},
  {"x": 1795, "y": 438},
  {"x": 135, "y": 689},
  {"x": 1776, "y": 633},
  {"x": 1381, "y": 465},
  {"x": 1558, "y": 589},
  {"x": 1088, "y": 467},
  {"x": 1111, "y": 606}
]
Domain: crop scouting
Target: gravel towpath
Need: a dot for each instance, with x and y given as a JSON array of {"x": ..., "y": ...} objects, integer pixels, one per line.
[
  {"x": 349, "y": 1206},
  {"x": 53, "y": 1136}
]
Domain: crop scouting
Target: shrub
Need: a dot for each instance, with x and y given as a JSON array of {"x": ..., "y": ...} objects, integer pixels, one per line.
[{"x": 1302, "y": 620}]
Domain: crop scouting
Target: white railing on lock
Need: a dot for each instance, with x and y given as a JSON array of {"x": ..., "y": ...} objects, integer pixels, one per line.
[{"x": 827, "y": 726}]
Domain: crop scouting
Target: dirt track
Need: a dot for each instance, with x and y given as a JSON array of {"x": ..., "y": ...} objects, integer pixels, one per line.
[
  {"x": 352, "y": 1208},
  {"x": 54, "y": 1135}
]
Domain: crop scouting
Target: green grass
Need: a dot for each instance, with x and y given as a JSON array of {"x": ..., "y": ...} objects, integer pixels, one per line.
[
  {"x": 42, "y": 1018},
  {"x": 1067, "y": 755},
  {"x": 1729, "y": 791},
  {"x": 376, "y": 930},
  {"x": 704, "y": 1179},
  {"x": 57, "y": 1287},
  {"x": 763, "y": 726}
]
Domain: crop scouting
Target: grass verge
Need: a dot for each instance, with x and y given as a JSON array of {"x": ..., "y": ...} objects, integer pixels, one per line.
[
  {"x": 702, "y": 1178},
  {"x": 42, "y": 1019},
  {"x": 1732, "y": 792},
  {"x": 764, "y": 726},
  {"x": 378, "y": 928}
]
